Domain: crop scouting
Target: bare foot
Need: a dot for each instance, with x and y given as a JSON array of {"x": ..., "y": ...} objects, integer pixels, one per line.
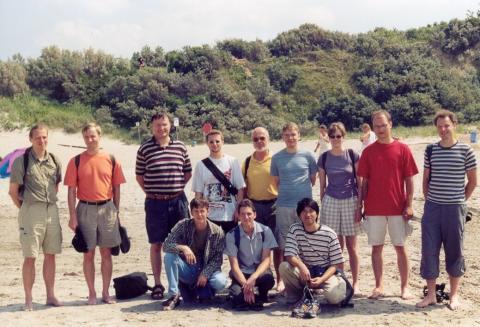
[
  {"x": 427, "y": 300},
  {"x": 108, "y": 300},
  {"x": 357, "y": 292},
  {"x": 376, "y": 293},
  {"x": 54, "y": 302},
  {"x": 92, "y": 299},
  {"x": 454, "y": 303},
  {"x": 281, "y": 287},
  {"x": 406, "y": 295},
  {"x": 28, "y": 306}
]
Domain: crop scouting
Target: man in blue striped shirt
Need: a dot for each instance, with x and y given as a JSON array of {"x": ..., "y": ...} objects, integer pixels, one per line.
[
  {"x": 162, "y": 170},
  {"x": 445, "y": 191}
]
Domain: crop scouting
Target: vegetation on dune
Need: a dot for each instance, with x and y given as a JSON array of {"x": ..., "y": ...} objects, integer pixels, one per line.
[{"x": 307, "y": 74}]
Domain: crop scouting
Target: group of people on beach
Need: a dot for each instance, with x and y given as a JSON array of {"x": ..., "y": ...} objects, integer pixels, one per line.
[{"x": 253, "y": 212}]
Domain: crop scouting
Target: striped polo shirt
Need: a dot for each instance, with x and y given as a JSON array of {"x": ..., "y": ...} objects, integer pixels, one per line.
[
  {"x": 320, "y": 248},
  {"x": 448, "y": 167},
  {"x": 163, "y": 168}
]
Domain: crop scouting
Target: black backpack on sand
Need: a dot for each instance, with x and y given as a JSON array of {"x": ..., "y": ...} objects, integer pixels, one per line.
[{"x": 131, "y": 285}]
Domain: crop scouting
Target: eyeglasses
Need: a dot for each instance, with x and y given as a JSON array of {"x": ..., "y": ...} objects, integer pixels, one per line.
[
  {"x": 261, "y": 138},
  {"x": 335, "y": 136}
]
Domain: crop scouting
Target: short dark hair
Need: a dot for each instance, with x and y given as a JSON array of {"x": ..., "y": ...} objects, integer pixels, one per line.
[
  {"x": 443, "y": 113},
  {"x": 307, "y": 203},
  {"x": 246, "y": 203},
  {"x": 162, "y": 114},
  {"x": 37, "y": 126},
  {"x": 198, "y": 204},
  {"x": 213, "y": 132}
]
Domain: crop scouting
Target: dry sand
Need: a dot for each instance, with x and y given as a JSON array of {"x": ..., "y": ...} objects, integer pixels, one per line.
[{"x": 71, "y": 287}]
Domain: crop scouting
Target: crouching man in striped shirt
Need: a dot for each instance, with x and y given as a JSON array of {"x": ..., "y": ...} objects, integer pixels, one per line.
[
  {"x": 313, "y": 254},
  {"x": 445, "y": 166}
]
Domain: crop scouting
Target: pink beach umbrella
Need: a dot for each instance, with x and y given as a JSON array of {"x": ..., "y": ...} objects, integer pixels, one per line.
[{"x": 7, "y": 162}]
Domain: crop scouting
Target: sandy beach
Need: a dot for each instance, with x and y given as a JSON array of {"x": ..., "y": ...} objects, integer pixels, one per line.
[{"x": 72, "y": 290}]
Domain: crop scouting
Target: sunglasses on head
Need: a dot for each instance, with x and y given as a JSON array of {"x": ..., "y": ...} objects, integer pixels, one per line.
[
  {"x": 261, "y": 138},
  {"x": 335, "y": 136}
]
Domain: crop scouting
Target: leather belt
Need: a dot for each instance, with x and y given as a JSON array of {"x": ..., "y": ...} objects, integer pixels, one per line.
[
  {"x": 265, "y": 201},
  {"x": 164, "y": 197},
  {"x": 97, "y": 203}
]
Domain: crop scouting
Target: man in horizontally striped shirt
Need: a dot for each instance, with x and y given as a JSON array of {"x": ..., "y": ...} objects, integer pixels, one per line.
[
  {"x": 162, "y": 169},
  {"x": 446, "y": 164},
  {"x": 313, "y": 254}
]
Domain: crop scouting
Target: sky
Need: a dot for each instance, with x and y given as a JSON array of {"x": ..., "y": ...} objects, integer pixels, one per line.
[{"x": 121, "y": 27}]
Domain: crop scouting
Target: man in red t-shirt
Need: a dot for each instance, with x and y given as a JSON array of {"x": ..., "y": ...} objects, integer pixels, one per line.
[{"x": 386, "y": 169}]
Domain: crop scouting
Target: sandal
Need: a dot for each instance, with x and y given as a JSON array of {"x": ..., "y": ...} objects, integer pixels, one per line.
[
  {"x": 171, "y": 303},
  {"x": 157, "y": 292}
]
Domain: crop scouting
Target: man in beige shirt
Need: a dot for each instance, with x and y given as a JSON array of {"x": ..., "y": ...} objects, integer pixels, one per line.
[{"x": 38, "y": 219}]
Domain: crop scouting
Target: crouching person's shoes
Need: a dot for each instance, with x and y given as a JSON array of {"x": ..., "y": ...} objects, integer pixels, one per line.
[{"x": 172, "y": 302}]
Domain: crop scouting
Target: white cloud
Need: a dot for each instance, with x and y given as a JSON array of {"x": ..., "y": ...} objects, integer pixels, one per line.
[{"x": 112, "y": 38}]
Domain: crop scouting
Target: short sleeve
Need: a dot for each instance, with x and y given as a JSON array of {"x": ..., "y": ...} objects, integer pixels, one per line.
[
  {"x": 470, "y": 161},
  {"x": 312, "y": 163},
  {"x": 426, "y": 160},
  {"x": 230, "y": 248},
  {"x": 16, "y": 175},
  {"x": 410, "y": 167},
  {"x": 118, "y": 177},
  {"x": 71, "y": 174},
  {"x": 273, "y": 166},
  {"x": 140, "y": 163},
  {"x": 269, "y": 242}
]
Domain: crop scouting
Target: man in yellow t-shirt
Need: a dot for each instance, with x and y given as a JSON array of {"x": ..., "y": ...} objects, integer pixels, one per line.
[{"x": 261, "y": 188}]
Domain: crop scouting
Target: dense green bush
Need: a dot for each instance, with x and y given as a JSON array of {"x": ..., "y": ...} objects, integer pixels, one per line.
[{"x": 12, "y": 79}]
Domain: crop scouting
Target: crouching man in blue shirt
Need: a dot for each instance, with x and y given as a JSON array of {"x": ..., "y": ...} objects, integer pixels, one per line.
[{"x": 249, "y": 248}]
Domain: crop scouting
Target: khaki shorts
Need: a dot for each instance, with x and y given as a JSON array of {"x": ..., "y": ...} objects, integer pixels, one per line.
[
  {"x": 99, "y": 224},
  {"x": 285, "y": 217},
  {"x": 39, "y": 227},
  {"x": 376, "y": 229}
]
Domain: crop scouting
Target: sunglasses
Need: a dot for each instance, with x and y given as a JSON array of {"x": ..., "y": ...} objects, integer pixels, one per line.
[
  {"x": 335, "y": 136},
  {"x": 261, "y": 138}
]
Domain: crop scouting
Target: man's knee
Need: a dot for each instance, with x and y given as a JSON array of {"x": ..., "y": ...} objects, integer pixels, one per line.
[
  {"x": 156, "y": 247},
  {"x": 89, "y": 256},
  {"x": 170, "y": 258},
  {"x": 218, "y": 281}
]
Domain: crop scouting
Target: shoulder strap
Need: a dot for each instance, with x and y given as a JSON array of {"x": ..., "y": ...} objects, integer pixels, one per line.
[
  {"x": 429, "y": 156},
  {"x": 220, "y": 176},
  {"x": 324, "y": 160},
  {"x": 247, "y": 163},
  {"x": 112, "y": 160},
  {"x": 26, "y": 156},
  {"x": 236, "y": 232},
  {"x": 350, "y": 153}
]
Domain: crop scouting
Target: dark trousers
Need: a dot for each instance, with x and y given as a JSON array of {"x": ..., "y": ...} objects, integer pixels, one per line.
[{"x": 264, "y": 283}]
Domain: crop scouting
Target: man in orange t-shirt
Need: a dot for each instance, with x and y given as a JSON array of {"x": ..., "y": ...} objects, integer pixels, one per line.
[{"x": 95, "y": 183}]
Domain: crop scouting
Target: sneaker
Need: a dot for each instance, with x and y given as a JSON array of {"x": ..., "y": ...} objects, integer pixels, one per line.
[
  {"x": 172, "y": 302},
  {"x": 312, "y": 310}
]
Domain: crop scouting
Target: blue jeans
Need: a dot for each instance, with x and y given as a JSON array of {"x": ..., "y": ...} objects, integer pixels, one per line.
[{"x": 177, "y": 270}]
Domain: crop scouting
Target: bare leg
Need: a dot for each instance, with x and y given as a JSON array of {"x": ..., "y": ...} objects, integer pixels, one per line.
[
  {"x": 49, "y": 278},
  {"x": 454, "y": 298},
  {"x": 106, "y": 267},
  {"x": 28, "y": 274},
  {"x": 431, "y": 297},
  {"x": 377, "y": 265},
  {"x": 403, "y": 268},
  {"x": 89, "y": 273},
  {"x": 354, "y": 260},
  {"x": 156, "y": 261},
  {"x": 277, "y": 260},
  {"x": 341, "y": 240}
]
